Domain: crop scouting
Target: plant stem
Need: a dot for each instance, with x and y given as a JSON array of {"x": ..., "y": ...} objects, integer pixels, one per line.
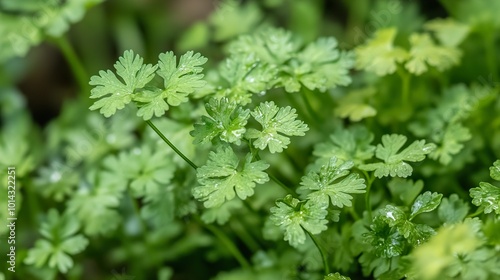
[
  {"x": 309, "y": 107},
  {"x": 368, "y": 205},
  {"x": 282, "y": 185},
  {"x": 489, "y": 44},
  {"x": 321, "y": 251},
  {"x": 243, "y": 233},
  {"x": 228, "y": 243},
  {"x": 478, "y": 212},
  {"x": 165, "y": 139},
  {"x": 405, "y": 85},
  {"x": 75, "y": 64}
]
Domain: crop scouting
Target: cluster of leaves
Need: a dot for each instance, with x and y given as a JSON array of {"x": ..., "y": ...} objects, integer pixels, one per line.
[{"x": 373, "y": 185}]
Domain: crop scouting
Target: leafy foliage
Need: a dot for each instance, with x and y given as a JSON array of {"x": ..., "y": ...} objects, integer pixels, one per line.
[
  {"x": 61, "y": 241},
  {"x": 222, "y": 177},
  {"x": 277, "y": 124},
  {"x": 487, "y": 195},
  {"x": 333, "y": 182},
  {"x": 295, "y": 217},
  {"x": 394, "y": 161}
]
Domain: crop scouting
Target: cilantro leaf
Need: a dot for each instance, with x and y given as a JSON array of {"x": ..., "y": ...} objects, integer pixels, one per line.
[
  {"x": 178, "y": 82},
  {"x": 355, "y": 105},
  {"x": 425, "y": 52},
  {"x": 352, "y": 143},
  {"x": 114, "y": 94},
  {"x": 335, "y": 276},
  {"x": 451, "y": 143},
  {"x": 495, "y": 171},
  {"x": 333, "y": 182},
  {"x": 226, "y": 120},
  {"x": 61, "y": 241},
  {"x": 222, "y": 177},
  {"x": 231, "y": 19},
  {"x": 487, "y": 195},
  {"x": 452, "y": 209},
  {"x": 276, "y": 123},
  {"x": 379, "y": 55},
  {"x": 222, "y": 213},
  {"x": 449, "y": 32},
  {"x": 395, "y": 163},
  {"x": 405, "y": 190},
  {"x": 322, "y": 66},
  {"x": 425, "y": 202},
  {"x": 294, "y": 216}
]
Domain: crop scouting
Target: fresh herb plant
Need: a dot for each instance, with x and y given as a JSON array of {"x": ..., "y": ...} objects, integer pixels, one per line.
[{"x": 288, "y": 155}]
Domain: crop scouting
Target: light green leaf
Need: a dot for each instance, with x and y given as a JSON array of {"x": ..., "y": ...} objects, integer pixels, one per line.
[
  {"x": 222, "y": 177},
  {"x": 452, "y": 209},
  {"x": 487, "y": 196},
  {"x": 405, "y": 190},
  {"x": 425, "y": 52},
  {"x": 226, "y": 120},
  {"x": 294, "y": 216},
  {"x": 336, "y": 276},
  {"x": 449, "y": 32},
  {"x": 277, "y": 124},
  {"x": 394, "y": 161},
  {"x": 332, "y": 183},
  {"x": 379, "y": 55},
  {"x": 114, "y": 94},
  {"x": 495, "y": 171},
  {"x": 425, "y": 202},
  {"x": 178, "y": 82}
]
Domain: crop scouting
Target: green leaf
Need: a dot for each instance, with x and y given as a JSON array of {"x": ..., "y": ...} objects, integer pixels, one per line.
[
  {"x": 60, "y": 242},
  {"x": 352, "y": 143},
  {"x": 495, "y": 171},
  {"x": 395, "y": 163},
  {"x": 425, "y": 202},
  {"x": 355, "y": 105},
  {"x": 425, "y": 52},
  {"x": 336, "y": 276},
  {"x": 232, "y": 19},
  {"x": 222, "y": 177},
  {"x": 332, "y": 183},
  {"x": 222, "y": 213},
  {"x": 277, "y": 123},
  {"x": 178, "y": 82},
  {"x": 451, "y": 143},
  {"x": 294, "y": 216},
  {"x": 452, "y": 209},
  {"x": 449, "y": 32},
  {"x": 114, "y": 94},
  {"x": 379, "y": 55},
  {"x": 487, "y": 196},
  {"x": 405, "y": 190},
  {"x": 322, "y": 66},
  {"x": 226, "y": 120}
]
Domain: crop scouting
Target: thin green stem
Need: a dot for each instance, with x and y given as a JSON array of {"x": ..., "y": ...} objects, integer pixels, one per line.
[
  {"x": 478, "y": 212},
  {"x": 368, "y": 204},
  {"x": 228, "y": 243},
  {"x": 304, "y": 92},
  {"x": 172, "y": 146},
  {"x": 243, "y": 233},
  {"x": 321, "y": 251},
  {"x": 75, "y": 64},
  {"x": 405, "y": 85},
  {"x": 489, "y": 44},
  {"x": 282, "y": 185}
]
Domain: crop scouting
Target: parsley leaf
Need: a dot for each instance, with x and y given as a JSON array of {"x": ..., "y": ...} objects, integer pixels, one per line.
[
  {"x": 486, "y": 194},
  {"x": 178, "y": 82},
  {"x": 61, "y": 241},
  {"x": 425, "y": 202},
  {"x": 449, "y": 32},
  {"x": 452, "y": 209},
  {"x": 405, "y": 190},
  {"x": 379, "y": 55},
  {"x": 226, "y": 120},
  {"x": 395, "y": 163},
  {"x": 114, "y": 94},
  {"x": 425, "y": 52},
  {"x": 294, "y": 216},
  {"x": 222, "y": 177},
  {"x": 276, "y": 123},
  {"x": 352, "y": 143},
  {"x": 335, "y": 276},
  {"x": 333, "y": 182}
]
